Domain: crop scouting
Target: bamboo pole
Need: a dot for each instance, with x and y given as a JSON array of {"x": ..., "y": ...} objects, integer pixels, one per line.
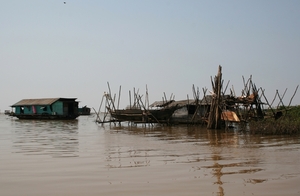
[
  {"x": 214, "y": 119},
  {"x": 270, "y": 106},
  {"x": 147, "y": 98},
  {"x": 98, "y": 120},
  {"x": 165, "y": 98},
  {"x": 98, "y": 117},
  {"x": 110, "y": 98},
  {"x": 293, "y": 95},
  {"x": 146, "y": 111},
  {"x": 119, "y": 97},
  {"x": 129, "y": 99},
  {"x": 233, "y": 91},
  {"x": 281, "y": 98},
  {"x": 226, "y": 87}
]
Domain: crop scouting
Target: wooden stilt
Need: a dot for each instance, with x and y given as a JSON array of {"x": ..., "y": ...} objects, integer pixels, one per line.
[{"x": 214, "y": 119}]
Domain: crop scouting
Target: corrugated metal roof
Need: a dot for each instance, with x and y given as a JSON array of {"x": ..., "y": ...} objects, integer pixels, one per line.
[{"x": 43, "y": 101}]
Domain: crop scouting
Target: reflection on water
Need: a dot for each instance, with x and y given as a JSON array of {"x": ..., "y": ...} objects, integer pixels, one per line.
[
  {"x": 143, "y": 160},
  {"x": 55, "y": 138},
  {"x": 220, "y": 154}
]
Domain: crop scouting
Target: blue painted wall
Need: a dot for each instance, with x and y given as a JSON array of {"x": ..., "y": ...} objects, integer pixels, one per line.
[{"x": 55, "y": 108}]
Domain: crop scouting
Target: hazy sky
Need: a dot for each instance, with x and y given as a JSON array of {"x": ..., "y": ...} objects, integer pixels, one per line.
[{"x": 51, "y": 49}]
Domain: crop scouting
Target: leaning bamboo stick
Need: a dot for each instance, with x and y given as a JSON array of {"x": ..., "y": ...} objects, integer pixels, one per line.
[
  {"x": 281, "y": 98},
  {"x": 165, "y": 97},
  {"x": 146, "y": 111},
  {"x": 110, "y": 98},
  {"x": 270, "y": 106},
  {"x": 293, "y": 96},
  {"x": 100, "y": 108},
  {"x": 226, "y": 87},
  {"x": 273, "y": 98},
  {"x": 98, "y": 117}
]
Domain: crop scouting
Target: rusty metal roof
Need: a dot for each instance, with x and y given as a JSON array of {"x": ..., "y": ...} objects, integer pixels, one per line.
[
  {"x": 43, "y": 101},
  {"x": 230, "y": 116}
]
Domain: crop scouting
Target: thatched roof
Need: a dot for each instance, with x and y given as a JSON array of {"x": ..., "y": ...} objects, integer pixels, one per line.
[{"x": 161, "y": 103}]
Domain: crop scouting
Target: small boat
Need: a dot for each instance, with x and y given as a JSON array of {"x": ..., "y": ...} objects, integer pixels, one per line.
[
  {"x": 143, "y": 116},
  {"x": 7, "y": 112}
]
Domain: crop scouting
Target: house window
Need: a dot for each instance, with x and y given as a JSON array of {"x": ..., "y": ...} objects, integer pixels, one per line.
[{"x": 44, "y": 108}]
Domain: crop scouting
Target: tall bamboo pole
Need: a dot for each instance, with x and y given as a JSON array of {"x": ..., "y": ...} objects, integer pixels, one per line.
[{"x": 214, "y": 119}]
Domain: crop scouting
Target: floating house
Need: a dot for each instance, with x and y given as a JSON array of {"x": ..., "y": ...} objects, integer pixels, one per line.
[
  {"x": 7, "y": 112},
  {"x": 47, "y": 108},
  {"x": 84, "y": 110},
  {"x": 197, "y": 111}
]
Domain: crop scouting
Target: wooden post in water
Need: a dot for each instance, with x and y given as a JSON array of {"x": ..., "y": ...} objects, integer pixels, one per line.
[{"x": 214, "y": 118}]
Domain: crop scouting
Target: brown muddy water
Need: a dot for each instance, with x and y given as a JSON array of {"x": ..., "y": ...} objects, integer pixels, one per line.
[{"x": 82, "y": 158}]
